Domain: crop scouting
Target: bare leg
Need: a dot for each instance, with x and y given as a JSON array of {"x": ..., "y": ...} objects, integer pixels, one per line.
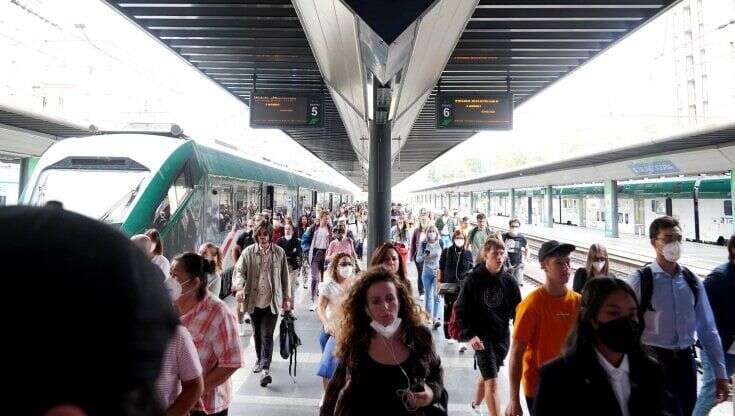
[
  {"x": 479, "y": 392},
  {"x": 491, "y": 397}
]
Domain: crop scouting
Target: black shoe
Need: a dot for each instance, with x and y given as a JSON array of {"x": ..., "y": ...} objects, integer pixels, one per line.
[
  {"x": 266, "y": 378},
  {"x": 257, "y": 368}
]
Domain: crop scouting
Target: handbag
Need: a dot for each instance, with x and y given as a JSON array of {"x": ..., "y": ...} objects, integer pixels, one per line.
[{"x": 448, "y": 289}]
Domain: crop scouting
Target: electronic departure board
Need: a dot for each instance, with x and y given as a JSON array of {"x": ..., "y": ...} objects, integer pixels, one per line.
[
  {"x": 285, "y": 110},
  {"x": 459, "y": 111}
]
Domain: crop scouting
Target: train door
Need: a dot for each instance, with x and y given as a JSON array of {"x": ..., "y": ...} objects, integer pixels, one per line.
[{"x": 268, "y": 202}]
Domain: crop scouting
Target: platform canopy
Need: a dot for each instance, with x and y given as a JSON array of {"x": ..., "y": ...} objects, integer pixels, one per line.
[
  {"x": 24, "y": 134},
  {"x": 531, "y": 41}
]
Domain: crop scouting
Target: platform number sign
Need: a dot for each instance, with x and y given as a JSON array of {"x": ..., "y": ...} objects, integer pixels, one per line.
[
  {"x": 285, "y": 110},
  {"x": 457, "y": 111}
]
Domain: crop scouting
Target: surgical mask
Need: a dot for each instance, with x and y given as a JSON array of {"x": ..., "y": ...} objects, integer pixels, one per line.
[
  {"x": 288, "y": 236},
  {"x": 513, "y": 233},
  {"x": 173, "y": 288},
  {"x": 459, "y": 242},
  {"x": 672, "y": 251},
  {"x": 345, "y": 271},
  {"x": 620, "y": 335},
  {"x": 598, "y": 265},
  {"x": 431, "y": 235},
  {"x": 386, "y": 331}
]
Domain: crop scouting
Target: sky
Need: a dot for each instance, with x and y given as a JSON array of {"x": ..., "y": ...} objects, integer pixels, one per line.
[
  {"x": 625, "y": 96},
  {"x": 81, "y": 61}
]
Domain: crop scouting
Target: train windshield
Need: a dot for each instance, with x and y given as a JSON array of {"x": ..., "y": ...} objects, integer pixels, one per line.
[{"x": 105, "y": 195}]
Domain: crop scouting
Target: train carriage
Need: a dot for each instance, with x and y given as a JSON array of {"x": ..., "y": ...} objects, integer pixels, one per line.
[{"x": 190, "y": 192}]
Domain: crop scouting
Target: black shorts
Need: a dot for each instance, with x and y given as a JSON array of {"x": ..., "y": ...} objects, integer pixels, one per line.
[{"x": 491, "y": 358}]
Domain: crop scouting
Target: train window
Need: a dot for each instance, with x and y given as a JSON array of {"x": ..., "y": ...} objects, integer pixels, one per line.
[
  {"x": 176, "y": 194},
  {"x": 658, "y": 207},
  {"x": 728, "y": 207}
]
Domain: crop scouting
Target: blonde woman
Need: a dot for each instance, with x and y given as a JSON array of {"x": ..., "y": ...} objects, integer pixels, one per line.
[{"x": 598, "y": 265}]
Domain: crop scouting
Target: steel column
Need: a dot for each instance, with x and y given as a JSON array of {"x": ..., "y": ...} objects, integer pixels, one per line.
[
  {"x": 611, "y": 208},
  {"x": 512, "y": 195},
  {"x": 549, "y": 202},
  {"x": 379, "y": 184}
]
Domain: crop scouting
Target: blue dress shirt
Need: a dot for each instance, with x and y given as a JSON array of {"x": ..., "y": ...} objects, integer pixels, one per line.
[{"x": 674, "y": 319}]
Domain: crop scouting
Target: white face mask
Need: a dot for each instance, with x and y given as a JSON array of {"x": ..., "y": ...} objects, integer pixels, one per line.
[
  {"x": 459, "y": 242},
  {"x": 672, "y": 251},
  {"x": 386, "y": 331},
  {"x": 346, "y": 271},
  {"x": 432, "y": 236},
  {"x": 513, "y": 232},
  {"x": 288, "y": 236},
  {"x": 173, "y": 288},
  {"x": 422, "y": 237},
  {"x": 598, "y": 265}
]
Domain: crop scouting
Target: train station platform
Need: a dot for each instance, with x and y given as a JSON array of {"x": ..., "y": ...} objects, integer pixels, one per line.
[
  {"x": 285, "y": 397},
  {"x": 700, "y": 258}
]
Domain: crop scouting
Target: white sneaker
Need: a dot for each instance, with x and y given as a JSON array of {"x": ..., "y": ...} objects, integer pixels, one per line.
[
  {"x": 451, "y": 341},
  {"x": 312, "y": 308},
  {"x": 242, "y": 329},
  {"x": 476, "y": 409},
  {"x": 321, "y": 402},
  {"x": 462, "y": 347},
  {"x": 422, "y": 298}
]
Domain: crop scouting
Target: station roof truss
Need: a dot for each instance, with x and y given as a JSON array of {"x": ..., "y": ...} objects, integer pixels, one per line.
[
  {"x": 534, "y": 42},
  {"x": 39, "y": 124},
  {"x": 710, "y": 151}
]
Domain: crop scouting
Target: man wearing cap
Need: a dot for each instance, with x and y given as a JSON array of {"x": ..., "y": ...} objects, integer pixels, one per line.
[{"x": 543, "y": 321}]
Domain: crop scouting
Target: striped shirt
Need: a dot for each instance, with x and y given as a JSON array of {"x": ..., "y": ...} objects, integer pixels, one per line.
[
  {"x": 214, "y": 329},
  {"x": 180, "y": 364}
]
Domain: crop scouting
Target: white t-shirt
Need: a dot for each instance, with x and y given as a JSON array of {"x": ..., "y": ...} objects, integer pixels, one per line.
[
  {"x": 331, "y": 290},
  {"x": 321, "y": 238},
  {"x": 180, "y": 363},
  {"x": 163, "y": 264}
]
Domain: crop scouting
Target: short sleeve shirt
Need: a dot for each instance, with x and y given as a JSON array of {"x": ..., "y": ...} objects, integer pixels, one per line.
[
  {"x": 180, "y": 364},
  {"x": 514, "y": 247},
  {"x": 213, "y": 328},
  {"x": 543, "y": 323},
  {"x": 335, "y": 294}
]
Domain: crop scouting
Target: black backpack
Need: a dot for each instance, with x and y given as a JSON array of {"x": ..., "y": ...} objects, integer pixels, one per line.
[
  {"x": 647, "y": 288},
  {"x": 290, "y": 341}
]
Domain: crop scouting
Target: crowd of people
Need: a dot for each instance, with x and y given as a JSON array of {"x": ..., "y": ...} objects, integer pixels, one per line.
[{"x": 602, "y": 344}]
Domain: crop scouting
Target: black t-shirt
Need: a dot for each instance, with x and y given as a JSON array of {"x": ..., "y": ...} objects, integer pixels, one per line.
[
  {"x": 514, "y": 247},
  {"x": 245, "y": 239}
]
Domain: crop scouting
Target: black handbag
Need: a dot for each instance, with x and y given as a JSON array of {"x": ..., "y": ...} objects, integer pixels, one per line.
[{"x": 448, "y": 289}]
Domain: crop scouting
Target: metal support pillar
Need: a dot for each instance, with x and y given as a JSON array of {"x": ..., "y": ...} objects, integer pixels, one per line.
[
  {"x": 611, "y": 208},
  {"x": 512, "y": 196},
  {"x": 489, "y": 205},
  {"x": 27, "y": 166},
  {"x": 582, "y": 211},
  {"x": 732, "y": 198},
  {"x": 379, "y": 184},
  {"x": 549, "y": 205}
]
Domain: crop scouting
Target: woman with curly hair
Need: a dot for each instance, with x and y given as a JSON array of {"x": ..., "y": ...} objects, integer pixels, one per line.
[
  {"x": 388, "y": 256},
  {"x": 388, "y": 364}
]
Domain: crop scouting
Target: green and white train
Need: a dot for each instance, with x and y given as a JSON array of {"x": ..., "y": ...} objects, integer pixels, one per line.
[{"x": 190, "y": 192}]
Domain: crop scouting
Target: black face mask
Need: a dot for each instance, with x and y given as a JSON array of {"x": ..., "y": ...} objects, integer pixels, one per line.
[{"x": 620, "y": 335}]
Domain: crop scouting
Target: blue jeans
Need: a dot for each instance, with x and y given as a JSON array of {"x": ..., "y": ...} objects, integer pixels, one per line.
[
  {"x": 446, "y": 240},
  {"x": 431, "y": 296},
  {"x": 706, "y": 398}
]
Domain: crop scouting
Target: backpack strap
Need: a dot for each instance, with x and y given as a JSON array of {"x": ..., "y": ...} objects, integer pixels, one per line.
[
  {"x": 646, "y": 281},
  {"x": 692, "y": 282}
]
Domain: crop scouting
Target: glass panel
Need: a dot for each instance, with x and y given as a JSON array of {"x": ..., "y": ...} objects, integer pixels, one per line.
[{"x": 99, "y": 194}]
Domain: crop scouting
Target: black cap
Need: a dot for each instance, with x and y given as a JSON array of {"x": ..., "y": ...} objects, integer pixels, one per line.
[
  {"x": 82, "y": 304},
  {"x": 553, "y": 247}
]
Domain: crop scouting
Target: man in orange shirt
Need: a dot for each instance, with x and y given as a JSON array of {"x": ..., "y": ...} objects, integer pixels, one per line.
[{"x": 543, "y": 321}]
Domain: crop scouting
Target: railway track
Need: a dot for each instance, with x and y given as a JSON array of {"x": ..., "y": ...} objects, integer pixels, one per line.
[{"x": 621, "y": 264}]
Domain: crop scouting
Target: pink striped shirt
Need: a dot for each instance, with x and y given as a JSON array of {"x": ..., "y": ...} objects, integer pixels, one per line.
[
  {"x": 180, "y": 364},
  {"x": 213, "y": 327}
]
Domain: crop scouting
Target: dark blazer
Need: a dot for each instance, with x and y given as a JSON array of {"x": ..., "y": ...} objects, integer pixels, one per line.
[{"x": 575, "y": 384}]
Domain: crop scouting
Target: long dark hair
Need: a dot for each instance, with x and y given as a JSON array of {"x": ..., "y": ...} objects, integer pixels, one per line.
[
  {"x": 355, "y": 333},
  {"x": 381, "y": 254},
  {"x": 198, "y": 267},
  {"x": 593, "y": 297}
]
